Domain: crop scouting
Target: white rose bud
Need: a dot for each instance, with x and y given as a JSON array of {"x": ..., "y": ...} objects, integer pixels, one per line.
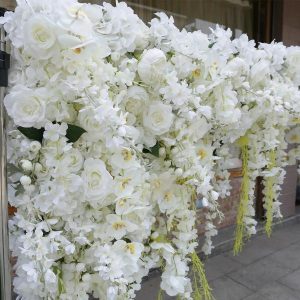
[
  {"x": 25, "y": 180},
  {"x": 38, "y": 168},
  {"x": 35, "y": 146},
  {"x": 26, "y": 165}
]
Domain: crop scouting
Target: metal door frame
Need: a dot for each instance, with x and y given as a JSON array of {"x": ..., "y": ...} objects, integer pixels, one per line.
[{"x": 5, "y": 268}]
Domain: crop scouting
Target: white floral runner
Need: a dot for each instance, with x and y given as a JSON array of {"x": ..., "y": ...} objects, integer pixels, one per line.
[{"x": 117, "y": 128}]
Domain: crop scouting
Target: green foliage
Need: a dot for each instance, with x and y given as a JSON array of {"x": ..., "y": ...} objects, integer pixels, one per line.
[
  {"x": 74, "y": 132},
  {"x": 32, "y": 133},
  {"x": 153, "y": 150}
]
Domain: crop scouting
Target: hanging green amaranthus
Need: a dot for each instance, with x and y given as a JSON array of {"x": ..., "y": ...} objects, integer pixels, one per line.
[
  {"x": 244, "y": 198},
  {"x": 202, "y": 290},
  {"x": 270, "y": 193}
]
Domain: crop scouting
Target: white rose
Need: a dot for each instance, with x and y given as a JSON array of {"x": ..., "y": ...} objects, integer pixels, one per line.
[
  {"x": 88, "y": 121},
  {"x": 73, "y": 160},
  {"x": 152, "y": 66},
  {"x": 136, "y": 98},
  {"x": 26, "y": 165},
  {"x": 158, "y": 118},
  {"x": 97, "y": 180},
  {"x": 26, "y": 107},
  {"x": 40, "y": 37},
  {"x": 25, "y": 180},
  {"x": 35, "y": 146}
]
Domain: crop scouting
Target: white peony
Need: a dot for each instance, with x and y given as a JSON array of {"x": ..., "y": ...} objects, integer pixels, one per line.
[
  {"x": 26, "y": 106},
  {"x": 158, "y": 118}
]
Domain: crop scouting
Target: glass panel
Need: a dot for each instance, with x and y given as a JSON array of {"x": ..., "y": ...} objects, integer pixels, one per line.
[{"x": 199, "y": 14}]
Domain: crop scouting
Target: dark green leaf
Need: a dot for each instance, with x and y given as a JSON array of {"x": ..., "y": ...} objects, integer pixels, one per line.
[
  {"x": 211, "y": 45},
  {"x": 12, "y": 169},
  {"x": 32, "y": 133},
  {"x": 153, "y": 150},
  {"x": 19, "y": 189},
  {"x": 74, "y": 133}
]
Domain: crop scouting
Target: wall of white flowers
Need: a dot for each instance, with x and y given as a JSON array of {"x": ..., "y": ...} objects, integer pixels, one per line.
[{"x": 117, "y": 127}]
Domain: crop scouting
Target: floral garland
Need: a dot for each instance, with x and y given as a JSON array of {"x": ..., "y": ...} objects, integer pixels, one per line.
[{"x": 116, "y": 128}]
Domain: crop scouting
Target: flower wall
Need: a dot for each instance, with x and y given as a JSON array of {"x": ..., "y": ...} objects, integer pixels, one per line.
[{"x": 117, "y": 127}]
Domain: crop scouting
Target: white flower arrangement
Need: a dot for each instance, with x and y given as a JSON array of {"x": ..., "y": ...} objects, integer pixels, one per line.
[{"x": 115, "y": 129}]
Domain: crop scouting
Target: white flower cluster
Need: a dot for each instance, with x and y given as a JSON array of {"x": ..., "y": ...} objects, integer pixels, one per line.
[{"x": 116, "y": 128}]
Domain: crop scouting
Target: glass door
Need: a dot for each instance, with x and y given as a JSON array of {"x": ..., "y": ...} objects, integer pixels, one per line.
[{"x": 5, "y": 274}]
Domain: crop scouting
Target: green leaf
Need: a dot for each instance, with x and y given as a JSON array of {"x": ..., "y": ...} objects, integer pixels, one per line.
[
  {"x": 13, "y": 169},
  {"x": 19, "y": 189},
  {"x": 211, "y": 45},
  {"x": 74, "y": 133},
  {"x": 153, "y": 150},
  {"x": 32, "y": 133}
]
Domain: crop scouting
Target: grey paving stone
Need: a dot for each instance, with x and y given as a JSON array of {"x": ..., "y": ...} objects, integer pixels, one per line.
[
  {"x": 280, "y": 238},
  {"x": 292, "y": 280},
  {"x": 254, "y": 250},
  {"x": 260, "y": 273},
  {"x": 220, "y": 265},
  {"x": 274, "y": 291},
  {"x": 150, "y": 289},
  {"x": 288, "y": 257},
  {"x": 224, "y": 288},
  {"x": 292, "y": 231}
]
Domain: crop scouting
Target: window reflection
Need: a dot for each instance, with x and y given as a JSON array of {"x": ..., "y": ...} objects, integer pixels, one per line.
[{"x": 199, "y": 14}]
